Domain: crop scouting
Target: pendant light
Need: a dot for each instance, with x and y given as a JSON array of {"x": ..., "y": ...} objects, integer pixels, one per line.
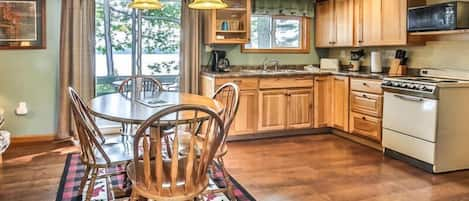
[
  {"x": 207, "y": 4},
  {"x": 146, "y": 4}
]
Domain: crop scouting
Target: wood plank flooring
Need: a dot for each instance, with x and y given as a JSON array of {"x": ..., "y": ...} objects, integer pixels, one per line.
[{"x": 310, "y": 168}]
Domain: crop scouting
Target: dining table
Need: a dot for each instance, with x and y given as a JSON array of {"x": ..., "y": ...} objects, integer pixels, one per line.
[{"x": 122, "y": 107}]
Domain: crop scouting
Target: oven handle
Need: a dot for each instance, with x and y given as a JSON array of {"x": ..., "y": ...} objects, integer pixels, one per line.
[{"x": 408, "y": 98}]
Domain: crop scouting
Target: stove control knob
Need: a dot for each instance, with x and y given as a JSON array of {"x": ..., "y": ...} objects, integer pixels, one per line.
[
  {"x": 387, "y": 83},
  {"x": 412, "y": 86},
  {"x": 395, "y": 84},
  {"x": 405, "y": 85}
]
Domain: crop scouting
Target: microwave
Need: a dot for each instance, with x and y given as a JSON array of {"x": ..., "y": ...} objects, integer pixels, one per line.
[{"x": 437, "y": 17}]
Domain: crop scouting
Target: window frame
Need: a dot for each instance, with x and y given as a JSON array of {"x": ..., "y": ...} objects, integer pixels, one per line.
[{"x": 305, "y": 38}]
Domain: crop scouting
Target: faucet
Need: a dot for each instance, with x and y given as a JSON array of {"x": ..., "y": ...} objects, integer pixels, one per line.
[{"x": 270, "y": 61}]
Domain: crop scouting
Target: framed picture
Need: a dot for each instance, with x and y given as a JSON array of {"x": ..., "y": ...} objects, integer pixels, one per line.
[{"x": 22, "y": 24}]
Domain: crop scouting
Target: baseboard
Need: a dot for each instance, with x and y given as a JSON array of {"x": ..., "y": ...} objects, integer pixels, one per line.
[
  {"x": 274, "y": 134},
  {"x": 359, "y": 140},
  {"x": 32, "y": 138}
]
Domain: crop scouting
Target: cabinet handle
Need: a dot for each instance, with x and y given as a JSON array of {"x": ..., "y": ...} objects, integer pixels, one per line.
[
  {"x": 360, "y": 41},
  {"x": 237, "y": 81}
]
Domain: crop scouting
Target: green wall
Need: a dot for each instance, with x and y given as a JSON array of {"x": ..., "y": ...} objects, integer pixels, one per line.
[
  {"x": 237, "y": 58},
  {"x": 31, "y": 76}
]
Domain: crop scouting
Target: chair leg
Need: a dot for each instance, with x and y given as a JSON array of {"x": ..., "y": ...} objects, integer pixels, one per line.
[
  {"x": 84, "y": 179},
  {"x": 89, "y": 192},
  {"x": 226, "y": 176},
  {"x": 133, "y": 196}
]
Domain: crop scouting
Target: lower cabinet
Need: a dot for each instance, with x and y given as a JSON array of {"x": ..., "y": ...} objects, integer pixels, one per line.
[
  {"x": 331, "y": 102},
  {"x": 272, "y": 109},
  {"x": 322, "y": 101},
  {"x": 365, "y": 126},
  {"x": 245, "y": 121},
  {"x": 340, "y": 102},
  {"x": 285, "y": 108},
  {"x": 299, "y": 109}
]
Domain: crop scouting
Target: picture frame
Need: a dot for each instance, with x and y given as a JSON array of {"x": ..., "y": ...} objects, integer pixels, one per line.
[{"x": 22, "y": 24}]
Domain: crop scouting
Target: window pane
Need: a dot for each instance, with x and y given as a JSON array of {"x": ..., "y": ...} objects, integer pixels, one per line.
[
  {"x": 261, "y": 29},
  {"x": 287, "y": 33}
]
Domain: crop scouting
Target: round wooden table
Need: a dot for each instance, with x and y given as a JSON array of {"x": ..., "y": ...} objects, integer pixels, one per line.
[{"x": 121, "y": 108}]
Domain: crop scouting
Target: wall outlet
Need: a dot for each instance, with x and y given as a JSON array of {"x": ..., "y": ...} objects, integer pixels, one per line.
[{"x": 208, "y": 48}]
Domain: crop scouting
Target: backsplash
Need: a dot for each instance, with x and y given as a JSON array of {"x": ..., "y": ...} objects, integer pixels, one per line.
[{"x": 435, "y": 54}]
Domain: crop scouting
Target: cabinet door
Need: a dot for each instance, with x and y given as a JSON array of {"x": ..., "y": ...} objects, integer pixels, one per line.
[
  {"x": 299, "y": 110},
  {"x": 324, "y": 24},
  {"x": 366, "y": 126},
  {"x": 370, "y": 22},
  {"x": 322, "y": 101},
  {"x": 343, "y": 23},
  {"x": 381, "y": 22},
  {"x": 272, "y": 110},
  {"x": 245, "y": 121},
  {"x": 394, "y": 20},
  {"x": 365, "y": 103},
  {"x": 340, "y": 102}
]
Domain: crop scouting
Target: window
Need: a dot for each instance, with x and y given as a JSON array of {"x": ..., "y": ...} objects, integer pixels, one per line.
[
  {"x": 279, "y": 34},
  {"x": 114, "y": 41}
]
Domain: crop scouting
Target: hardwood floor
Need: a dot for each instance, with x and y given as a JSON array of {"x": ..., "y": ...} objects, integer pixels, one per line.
[{"x": 310, "y": 168}]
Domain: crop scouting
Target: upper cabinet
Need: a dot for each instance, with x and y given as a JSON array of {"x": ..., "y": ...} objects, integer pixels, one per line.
[
  {"x": 334, "y": 23},
  {"x": 230, "y": 25},
  {"x": 347, "y": 23},
  {"x": 380, "y": 22}
]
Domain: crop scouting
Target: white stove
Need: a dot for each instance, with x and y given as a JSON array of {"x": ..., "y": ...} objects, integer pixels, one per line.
[
  {"x": 425, "y": 119},
  {"x": 428, "y": 82}
]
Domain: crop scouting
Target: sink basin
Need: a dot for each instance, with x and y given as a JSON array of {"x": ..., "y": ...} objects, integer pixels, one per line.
[{"x": 271, "y": 71}]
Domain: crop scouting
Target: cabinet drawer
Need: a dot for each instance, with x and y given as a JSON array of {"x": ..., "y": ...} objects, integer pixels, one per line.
[
  {"x": 243, "y": 83},
  {"x": 366, "y": 126},
  {"x": 365, "y": 103},
  {"x": 366, "y": 85},
  {"x": 290, "y": 82}
]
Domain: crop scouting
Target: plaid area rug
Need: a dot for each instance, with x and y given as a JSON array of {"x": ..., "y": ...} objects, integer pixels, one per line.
[{"x": 73, "y": 172}]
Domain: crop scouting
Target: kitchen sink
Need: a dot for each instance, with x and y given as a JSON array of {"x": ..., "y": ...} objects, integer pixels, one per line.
[{"x": 271, "y": 71}]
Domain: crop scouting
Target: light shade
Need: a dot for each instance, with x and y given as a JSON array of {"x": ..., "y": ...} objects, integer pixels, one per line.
[
  {"x": 207, "y": 4},
  {"x": 146, "y": 4}
]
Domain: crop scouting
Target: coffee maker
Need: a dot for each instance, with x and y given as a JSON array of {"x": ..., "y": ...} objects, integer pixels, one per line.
[{"x": 219, "y": 62}]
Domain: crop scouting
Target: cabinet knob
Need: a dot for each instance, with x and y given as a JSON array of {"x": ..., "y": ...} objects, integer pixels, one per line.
[
  {"x": 364, "y": 118},
  {"x": 365, "y": 96},
  {"x": 364, "y": 84}
]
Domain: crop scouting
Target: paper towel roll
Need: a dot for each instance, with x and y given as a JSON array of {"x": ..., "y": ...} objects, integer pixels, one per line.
[{"x": 376, "y": 66}]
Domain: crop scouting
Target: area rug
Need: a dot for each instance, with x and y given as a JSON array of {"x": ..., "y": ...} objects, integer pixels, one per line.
[{"x": 73, "y": 172}]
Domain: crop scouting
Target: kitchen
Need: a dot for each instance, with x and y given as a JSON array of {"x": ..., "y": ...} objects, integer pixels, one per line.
[
  {"x": 324, "y": 100},
  {"x": 384, "y": 81}
]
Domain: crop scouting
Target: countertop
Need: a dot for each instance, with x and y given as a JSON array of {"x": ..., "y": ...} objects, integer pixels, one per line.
[{"x": 293, "y": 73}]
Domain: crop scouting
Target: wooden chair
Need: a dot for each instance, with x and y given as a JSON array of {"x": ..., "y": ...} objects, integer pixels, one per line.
[
  {"x": 145, "y": 84},
  {"x": 228, "y": 96},
  {"x": 175, "y": 169},
  {"x": 95, "y": 153}
]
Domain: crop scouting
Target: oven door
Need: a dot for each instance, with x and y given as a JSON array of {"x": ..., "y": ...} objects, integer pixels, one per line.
[{"x": 409, "y": 115}]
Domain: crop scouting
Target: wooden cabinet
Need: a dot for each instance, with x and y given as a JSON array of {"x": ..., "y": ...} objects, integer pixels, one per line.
[
  {"x": 322, "y": 101},
  {"x": 365, "y": 126},
  {"x": 380, "y": 22},
  {"x": 340, "y": 102},
  {"x": 272, "y": 109},
  {"x": 366, "y": 108},
  {"x": 334, "y": 23},
  {"x": 237, "y": 18},
  {"x": 299, "y": 109},
  {"x": 245, "y": 121},
  {"x": 285, "y": 108},
  {"x": 366, "y": 103}
]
